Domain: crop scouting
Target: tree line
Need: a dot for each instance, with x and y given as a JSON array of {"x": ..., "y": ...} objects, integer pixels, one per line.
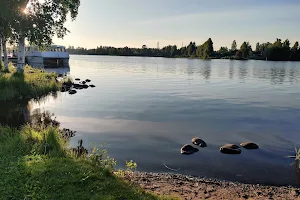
[
  {"x": 34, "y": 21},
  {"x": 277, "y": 51}
]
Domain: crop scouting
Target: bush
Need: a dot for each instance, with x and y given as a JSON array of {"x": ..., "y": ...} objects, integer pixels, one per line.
[{"x": 32, "y": 83}]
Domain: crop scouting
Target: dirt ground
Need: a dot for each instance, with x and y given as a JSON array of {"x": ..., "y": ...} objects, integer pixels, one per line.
[{"x": 197, "y": 188}]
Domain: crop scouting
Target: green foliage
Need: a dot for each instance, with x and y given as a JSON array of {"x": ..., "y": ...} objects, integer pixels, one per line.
[
  {"x": 245, "y": 50},
  {"x": 33, "y": 83},
  {"x": 279, "y": 51},
  {"x": 37, "y": 165},
  {"x": 100, "y": 158},
  {"x": 130, "y": 165},
  {"x": 205, "y": 50},
  {"x": 233, "y": 46}
]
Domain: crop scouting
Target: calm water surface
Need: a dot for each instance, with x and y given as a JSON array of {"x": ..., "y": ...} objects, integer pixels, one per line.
[{"x": 145, "y": 109}]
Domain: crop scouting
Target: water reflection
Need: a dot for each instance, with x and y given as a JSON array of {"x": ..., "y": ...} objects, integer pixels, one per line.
[
  {"x": 206, "y": 70},
  {"x": 243, "y": 71},
  {"x": 277, "y": 75},
  {"x": 231, "y": 69},
  {"x": 14, "y": 113},
  {"x": 153, "y": 116},
  {"x": 64, "y": 71}
]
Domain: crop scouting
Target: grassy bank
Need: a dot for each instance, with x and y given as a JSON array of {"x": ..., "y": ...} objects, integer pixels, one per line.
[
  {"x": 32, "y": 83},
  {"x": 37, "y": 165}
]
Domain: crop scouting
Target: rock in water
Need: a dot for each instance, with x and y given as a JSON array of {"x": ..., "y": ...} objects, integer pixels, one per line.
[
  {"x": 72, "y": 92},
  {"x": 199, "y": 142},
  {"x": 230, "y": 149},
  {"x": 87, "y": 80},
  {"x": 85, "y": 86},
  {"x": 232, "y": 146},
  {"x": 92, "y": 86},
  {"x": 249, "y": 145},
  {"x": 77, "y": 79},
  {"x": 188, "y": 149}
]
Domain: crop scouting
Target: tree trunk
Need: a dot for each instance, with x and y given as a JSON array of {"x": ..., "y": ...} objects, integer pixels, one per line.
[
  {"x": 21, "y": 53},
  {"x": 5, "y": 59}
]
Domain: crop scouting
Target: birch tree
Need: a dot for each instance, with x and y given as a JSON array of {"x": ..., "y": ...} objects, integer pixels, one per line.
[{"x": 40, "y": 23}]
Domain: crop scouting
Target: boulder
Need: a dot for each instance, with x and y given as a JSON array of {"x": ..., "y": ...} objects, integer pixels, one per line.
[
  {"x": 84, "y": 86},
  {"x": 249, "y": 145},
  {"x": 188, "y": 149},
  {"x": 83, "y": 82},
  {"x": 79, "y": 86},
  {"x": 199, "y": 142},
  {"x": 232, "y": 146},
  {"x": 230, "y": 149},
  {"x": 87, "y": 80}
]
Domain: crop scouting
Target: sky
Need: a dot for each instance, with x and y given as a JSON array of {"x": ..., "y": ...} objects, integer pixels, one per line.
[{"x": 134, "y": 23}]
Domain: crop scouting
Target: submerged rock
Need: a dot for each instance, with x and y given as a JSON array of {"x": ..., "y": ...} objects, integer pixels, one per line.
[
  {"x": 67, "y": 84},
  {"x": 72, "y": 92},
  {"x": 232, "y": 146},
  {"x": 230, "y": 149},
  {"x": 79, "y": 86},
  {"x": 249, "y": 145},
  {"x": 188, "y": 149},
  {"x": 199, "y": 142}
]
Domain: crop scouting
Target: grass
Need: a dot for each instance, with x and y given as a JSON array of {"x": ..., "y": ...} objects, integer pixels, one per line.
[
  {"x": 32, "y": 83},
  {"x": 37, "y": 165}
]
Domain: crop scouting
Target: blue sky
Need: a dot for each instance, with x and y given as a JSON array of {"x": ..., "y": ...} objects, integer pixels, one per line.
[{"x": 136, "y": 22}]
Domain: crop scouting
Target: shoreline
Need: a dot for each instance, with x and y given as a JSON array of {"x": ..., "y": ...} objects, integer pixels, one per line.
[
  {"x": 190, "y": 187},
  {"x": 196, "y": 58}
]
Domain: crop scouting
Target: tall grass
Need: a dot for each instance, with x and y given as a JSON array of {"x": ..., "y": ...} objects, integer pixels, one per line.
[
  {"x": 32, "y": 83},
  {"x": 37, "y": 165}
]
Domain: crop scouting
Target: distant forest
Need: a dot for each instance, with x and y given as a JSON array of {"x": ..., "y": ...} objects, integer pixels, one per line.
[{"x": 277, "y": 51}]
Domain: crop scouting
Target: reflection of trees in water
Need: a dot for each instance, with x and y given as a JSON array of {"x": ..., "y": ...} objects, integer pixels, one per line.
[
  {"x": 261, "y": 72},
  {"x": 190, "y": 70},
  {"x": 17, "y": 113},
  {"x": 277, "y": 75},
  {"x": 231, "y": 69},
  {"x": 206, "y": 70},
  {"x": 14, "y": 113},
  {"x": 40, "y": 119},
  {"x": 243, "y": 72},
  {"x": 294, "y": 74}
]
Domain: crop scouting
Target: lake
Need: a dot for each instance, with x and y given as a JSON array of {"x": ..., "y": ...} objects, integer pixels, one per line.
[{"x": 145, "y": 109}]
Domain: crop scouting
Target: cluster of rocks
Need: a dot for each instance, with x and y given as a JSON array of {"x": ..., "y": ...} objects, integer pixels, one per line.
[
  {"x": 188, "y": 149},
  {"x": 235, "y": 149},
  {"x": 72, "y": 88}
]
